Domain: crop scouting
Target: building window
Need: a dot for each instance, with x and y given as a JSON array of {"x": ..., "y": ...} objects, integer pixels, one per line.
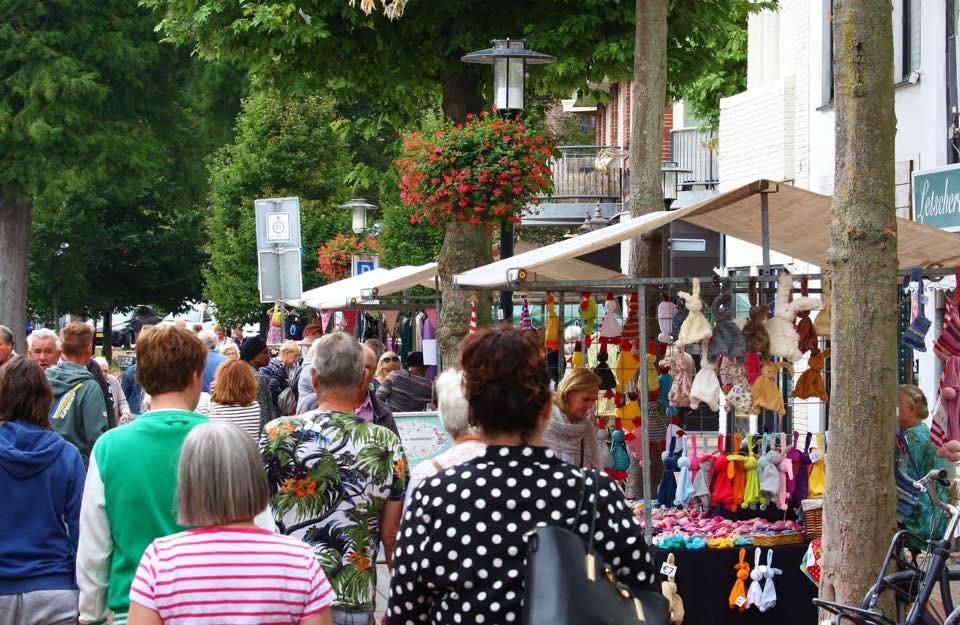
[{"x": 910, "y": 48}]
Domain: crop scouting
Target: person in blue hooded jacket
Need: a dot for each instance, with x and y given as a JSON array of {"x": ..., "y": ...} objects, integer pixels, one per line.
[{"x": 41, "y": 478}]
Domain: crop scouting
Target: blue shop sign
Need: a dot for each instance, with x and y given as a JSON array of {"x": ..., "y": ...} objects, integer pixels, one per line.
[{"x": 936, "y": 197}]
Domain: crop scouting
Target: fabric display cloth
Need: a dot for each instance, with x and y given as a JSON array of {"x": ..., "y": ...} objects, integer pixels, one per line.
[{"x": 704, "y": 578}]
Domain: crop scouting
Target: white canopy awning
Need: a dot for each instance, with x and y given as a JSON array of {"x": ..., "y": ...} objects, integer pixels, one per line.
[
  {"x": 377, "y": 283},
  {"x": 799, "y": 226}
]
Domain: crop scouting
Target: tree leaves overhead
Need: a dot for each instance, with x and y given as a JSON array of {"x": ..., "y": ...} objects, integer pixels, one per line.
[
  {"x": 283, "y": 147},
  {"x": 401, "y": 63}
]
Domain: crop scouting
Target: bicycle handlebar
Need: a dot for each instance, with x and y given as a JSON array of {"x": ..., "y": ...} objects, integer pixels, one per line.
[{"x": 936, "y": 475}]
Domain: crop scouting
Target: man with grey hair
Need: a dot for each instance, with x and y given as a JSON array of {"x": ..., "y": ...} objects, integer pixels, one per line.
[
  {"x": 43, "y": 347},
  {"x": 452, "y": 406},
  {"x": 352, "y": 473},
  {"x": 209, "y": 340},
  {"x": 6, "y": 344}
]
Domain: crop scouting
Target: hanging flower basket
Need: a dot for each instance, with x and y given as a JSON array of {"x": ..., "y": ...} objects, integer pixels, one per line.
[
  {"x": 488, "y": 170},
  {"x": 334, "y": 256}
]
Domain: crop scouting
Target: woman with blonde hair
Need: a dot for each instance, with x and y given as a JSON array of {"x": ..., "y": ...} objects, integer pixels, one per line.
[
  {"x": 389, "y": 361},
  {"x": 229, "y": 350},
  {"x": 571, "y": 432},
  {"x": 234, "y": 397},
  {"x": 221, "y": 487}
]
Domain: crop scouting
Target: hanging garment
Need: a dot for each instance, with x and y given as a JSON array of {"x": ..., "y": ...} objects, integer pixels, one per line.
[
  {"x": 810, "y": 383},
  {"x": 680, "y": 365},
  {"x": 766, "y": 393},
  {"x": 808, "y": 336},
  {"x": 418, "y": 332},
  {"x": 738, "y": 595},
  {"x": 784, "y": 340},
  {"x": 695, "y": 327},
  {"x": 915, "y": 336}
]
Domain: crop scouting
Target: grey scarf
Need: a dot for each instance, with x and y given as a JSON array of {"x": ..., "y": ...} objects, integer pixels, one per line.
[{"x": 574, "y": 441}]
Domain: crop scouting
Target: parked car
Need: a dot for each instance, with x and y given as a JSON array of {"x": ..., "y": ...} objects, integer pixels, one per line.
[
  {"x": 127, "y": 326},
  {"x": 198, "y": 312}
]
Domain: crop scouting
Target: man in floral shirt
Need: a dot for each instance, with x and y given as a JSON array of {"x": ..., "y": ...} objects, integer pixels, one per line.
[{"x": 337, "y": 481}]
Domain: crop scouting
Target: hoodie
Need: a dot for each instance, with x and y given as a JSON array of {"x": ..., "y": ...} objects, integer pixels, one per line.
[
  {"x": 78, "y": 413},
  {"x": 41, "y": 478}
]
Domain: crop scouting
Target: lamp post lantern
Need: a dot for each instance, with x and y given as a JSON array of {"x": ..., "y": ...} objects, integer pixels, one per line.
[
  {"x": 509, "y": 58},
  {"x": 358, "y": 208}
]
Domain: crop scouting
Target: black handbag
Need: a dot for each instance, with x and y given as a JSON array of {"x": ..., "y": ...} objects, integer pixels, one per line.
[{"x": 567, "y": 582}]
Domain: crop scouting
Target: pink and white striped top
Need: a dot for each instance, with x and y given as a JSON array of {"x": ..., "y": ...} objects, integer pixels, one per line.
[{"x": 240, "y": 576}]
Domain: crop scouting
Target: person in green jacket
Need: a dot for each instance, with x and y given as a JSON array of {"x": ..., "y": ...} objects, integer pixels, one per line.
[
  {"x": 916, "y": 460},
  {"x": 129, "y": 497},
  {"x": 78, "y": 413}
]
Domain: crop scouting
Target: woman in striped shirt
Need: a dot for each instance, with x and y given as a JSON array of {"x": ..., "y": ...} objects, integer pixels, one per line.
[
  {"x": 234, "y": 397},
  {"x": 226, "y": 571}
]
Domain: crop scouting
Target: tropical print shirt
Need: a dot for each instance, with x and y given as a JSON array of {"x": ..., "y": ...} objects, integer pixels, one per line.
[{"x": 330, "y": 476}]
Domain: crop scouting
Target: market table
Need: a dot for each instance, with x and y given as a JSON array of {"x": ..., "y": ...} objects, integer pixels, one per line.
[{"x": 705, "y": 576}]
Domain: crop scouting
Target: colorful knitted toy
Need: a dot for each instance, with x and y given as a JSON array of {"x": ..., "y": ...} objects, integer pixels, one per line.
[
  {"x": 667, "y": 490},
  {"x": 669, "y": 589},
  {"x": 588, "y": 317},
  {"x": 769, "y": 598},
  {"x": 810, "y": 383},
  {"x": 817, "y": 481},
  {"x": 738, "y": 595},
  {"x": 821, "y": 325},
  {"x": 706, "y": 386},
  {"x": 666, "y": 310},
  {"x": 630, "y": 337},
  {"x": 610, "y": 326},
  {"x": 685, "y": 483},
  {"x": 755, "y": 592},
  {"x": 740, "y": 398},
  {"x": 754, "y": 330},
  {"x": 793, "y": 454},
  {"x": 801, "y": 485},
  {"x": 765, "y": 392},
  {"x": 625, "y": 369},
  {"x": 695, "y": 327},
  {"x": 721, "y": 490},
  {"x": 621, "y": 459},
  {"x": 727, "y": 339},
  {"x": 681, "y": 369},
  {"x": 770, "y": 479},
  {"x": 786, "y": 474},
  {"x": 784, "y": 340},
  {"x": 751, "y": 489},
  {"x": 737, "y": 474},
  {"x": 808, "y": 336},
  {"x": 551, "y": 335}
]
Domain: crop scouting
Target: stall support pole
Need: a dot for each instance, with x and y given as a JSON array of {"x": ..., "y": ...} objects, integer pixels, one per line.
[
  {"x": 562, "y": 356},
  {"x": 644, "y": 417},
  {"x": 506, "y": 251},
  {"x": 765, "y": 233}
]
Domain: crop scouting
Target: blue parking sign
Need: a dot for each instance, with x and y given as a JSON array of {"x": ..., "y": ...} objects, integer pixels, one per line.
[{"x": 363, "y": 264}]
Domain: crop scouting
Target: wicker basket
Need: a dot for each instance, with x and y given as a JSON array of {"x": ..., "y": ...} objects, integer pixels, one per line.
[
  {"x": 776, "y": 540},
  {"x": 812, "y": 518}
]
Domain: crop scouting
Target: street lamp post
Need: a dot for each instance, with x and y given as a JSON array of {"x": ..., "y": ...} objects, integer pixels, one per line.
[
  {"x": 358, "y": 208},
  {"x": 509, "y": 58}
]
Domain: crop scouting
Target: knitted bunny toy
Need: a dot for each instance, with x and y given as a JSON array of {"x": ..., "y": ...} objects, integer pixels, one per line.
[
  {"x": 754, "y": 330},
  {"x": 706, "y": 386},
  {"x": 755, "y": 592},
  {"x": 740, "y": 398},
  {"x": 681, "y": 368},
  {"x": 669, "y": 590},
  {"x": 765, "y": 391},
  {"x": 685, "y": 483},
  {"x": 721, "y": 490},
  {"x": 738, "y": 595},
  {"x": 751, "y": 489},
  {"x": 768, "y": 600},
  {"x": 786, "y": 474},
  {"x": 821, "y": 325},
  {"x": 770, "y": 481},
  {"x": 610, "y": 326},
  {"x": 727, "y": 339},
  {"x": 784, "y": 340},
  {"x": 808, "y": 335},
  {"x": 588, "y": 317},
  {"x": 695, "y": 327},
  {"x": 810, "y": 382}
]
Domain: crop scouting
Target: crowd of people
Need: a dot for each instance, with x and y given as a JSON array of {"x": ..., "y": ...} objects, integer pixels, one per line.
[{"x": 188, "y": 494}]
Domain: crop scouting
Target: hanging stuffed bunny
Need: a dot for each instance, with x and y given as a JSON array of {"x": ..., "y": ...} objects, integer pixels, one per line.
[
  {"x": 695, "y": 327},
  {"x": 761, "y": 467},
  {"x": 770, "y": 479},
  {"x": 784, "y": 340},
  {"x": 786, "y": 474},
  {"x": 808, "y": 336},
  {"x": 801, "y": 484},
  {"x": 721, "y": 490},
  {"x": 685, "y": 482},
  {"x": 669, "y": 589},
  {"x": 701, "y": 483},
  {"x": 740, "y": 397},
  {"x": 793, "y": 454},
  {"x": 551, "y": 333},
  {"x": 681, "y": 367},
  {"x": 765, "y": 392},
  {"x": 754, "y": 330},
  {"x": 751, "y": 488},
  {"x": 588, "y": 317},
  {"x": 821, "y": 325},
  {"x": 727, "y": 339},
  {"x": 706, "y": 385},
  {"x": 667, "y": 490},
  {"x": 737, "y": 474},
  {"x": 630, "y": 336},
  {"x": 810, "y": 383},
  {"x": 817, "y": 481},
  {"x": 738, "y": 595},
  {"x": 768, "y": 600},
  {"x": 755, "y": 592},
  {"x": 610, "y": 326},
  {"x": 621, "y": 459}
]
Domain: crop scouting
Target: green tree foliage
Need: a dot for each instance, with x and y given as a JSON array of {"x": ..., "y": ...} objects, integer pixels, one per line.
[
  {"x": 283, "y": 147},
  {"x": 405, "y": 243}
]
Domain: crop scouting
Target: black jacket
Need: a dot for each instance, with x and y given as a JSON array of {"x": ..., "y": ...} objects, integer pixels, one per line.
[{"x": 275, "y": 372}]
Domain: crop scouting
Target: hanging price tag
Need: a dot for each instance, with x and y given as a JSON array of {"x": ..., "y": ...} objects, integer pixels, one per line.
[
  {"x": 740, "y": 602},
  {"x": 668, "y": 569},
  {"x": 816, "y": 455}
]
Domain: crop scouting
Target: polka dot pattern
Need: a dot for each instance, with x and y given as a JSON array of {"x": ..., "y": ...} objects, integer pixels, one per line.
[{"x": 461, "y": 558}]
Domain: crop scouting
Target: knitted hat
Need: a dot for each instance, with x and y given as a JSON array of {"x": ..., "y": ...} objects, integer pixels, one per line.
[{"x": 252, "y": 347}]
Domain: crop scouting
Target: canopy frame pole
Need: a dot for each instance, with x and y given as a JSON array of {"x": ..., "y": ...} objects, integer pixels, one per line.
[
  {"x": 765, "y": 233},
  {"x": 644, "y": 418},
  {"x": 562, "y": 355}
]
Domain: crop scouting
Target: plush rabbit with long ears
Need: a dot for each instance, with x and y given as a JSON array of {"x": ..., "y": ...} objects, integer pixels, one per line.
[
  {"x": 754, "y": 330},
  {"x": 695, "y": 327},
  {"x": 784, "y": 340},
  {"x": 727, "y": 339},
  {"x": 706, "y": 385}
]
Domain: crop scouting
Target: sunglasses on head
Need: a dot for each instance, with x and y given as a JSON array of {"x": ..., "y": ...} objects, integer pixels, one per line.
[{"x": 390, "y": 359}]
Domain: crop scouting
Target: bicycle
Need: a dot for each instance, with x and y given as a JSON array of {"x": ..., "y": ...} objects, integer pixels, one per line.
[{"x": 912, "y": 585}]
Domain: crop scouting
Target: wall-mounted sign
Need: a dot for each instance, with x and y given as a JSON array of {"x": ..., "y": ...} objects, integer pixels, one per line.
[{"x": 936, "y": 197}]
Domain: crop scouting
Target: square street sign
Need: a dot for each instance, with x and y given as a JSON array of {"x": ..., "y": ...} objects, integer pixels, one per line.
[
  {"x": 362, "y": 264},
  {"x": 278, "y": 222},
  {"x": 279, "y": 275}
]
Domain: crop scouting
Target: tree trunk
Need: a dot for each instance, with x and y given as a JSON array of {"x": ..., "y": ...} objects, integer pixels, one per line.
[
  {"x": 107, "y": 351},
  {"x": 464, "y": 246},
  {"x": 858, "y": 521},
  {"x": 15, "y": 230},
  {"x": 648, "y": 95}
]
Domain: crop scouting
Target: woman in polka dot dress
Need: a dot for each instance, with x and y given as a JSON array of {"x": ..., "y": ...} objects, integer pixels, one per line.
[{"x": 461, "y": 553}]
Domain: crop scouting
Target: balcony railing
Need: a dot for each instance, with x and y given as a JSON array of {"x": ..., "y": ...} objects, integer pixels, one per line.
[
  {"x": 695, "y": 150},
  {"x": 591, "y": 173}
]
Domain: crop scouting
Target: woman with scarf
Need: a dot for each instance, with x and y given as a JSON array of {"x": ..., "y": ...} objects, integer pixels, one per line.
[{"x": 571, "y": 432}]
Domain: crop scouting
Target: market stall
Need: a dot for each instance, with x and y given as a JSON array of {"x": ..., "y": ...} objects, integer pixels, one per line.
[{"x": 747, "y": 366}]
